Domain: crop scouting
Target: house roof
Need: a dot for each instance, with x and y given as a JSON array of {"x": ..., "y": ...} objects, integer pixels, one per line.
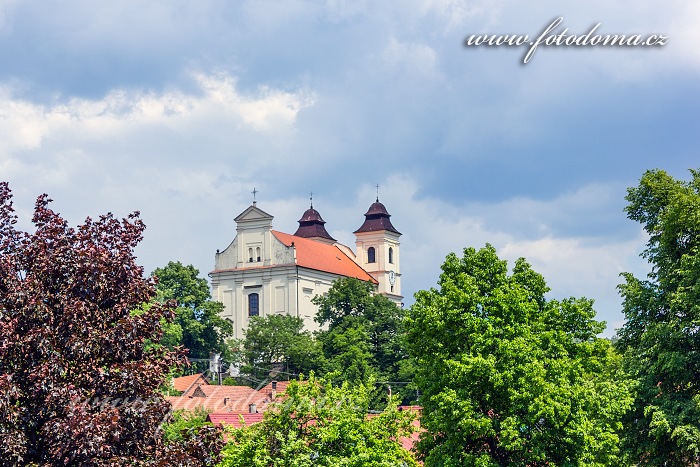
[
  {"x": 183, "y": 383},
  {"x": 220, "y": 399},
  {"x": 323, "y": 257},
  {"x": 281, "y": 387},
  {"x": 234, "y": 419}
]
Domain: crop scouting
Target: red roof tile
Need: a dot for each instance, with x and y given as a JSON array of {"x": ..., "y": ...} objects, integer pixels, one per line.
[
  {"x": 183, "y": 383},
  {"x": 281, "y": 387},
  {"x": 235, "y": 418},
  {"x": 323, "y": 257},
  {"x": 221, "y": 399}
]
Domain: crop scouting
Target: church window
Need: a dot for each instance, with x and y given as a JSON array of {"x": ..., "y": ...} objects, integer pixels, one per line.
[
  {"x": 391, "y": 255},
  {"x": 253, "y": 304},
  {"x": 371, "y": 255},
  {"x": 257, "y": 253},
  {"x": 250, "y": 255}
]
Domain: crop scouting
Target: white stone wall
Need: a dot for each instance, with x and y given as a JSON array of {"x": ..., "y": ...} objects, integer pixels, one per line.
[
  {"x": 283, "y": 289},
  {"x": 228, "y": 258}
]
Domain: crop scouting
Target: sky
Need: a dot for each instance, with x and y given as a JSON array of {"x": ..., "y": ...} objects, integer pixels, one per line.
[{"x": 179, "y": 109}]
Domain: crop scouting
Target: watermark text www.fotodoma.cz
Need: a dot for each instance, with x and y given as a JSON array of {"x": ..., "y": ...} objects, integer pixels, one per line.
[{"x": 550, "y": 36}]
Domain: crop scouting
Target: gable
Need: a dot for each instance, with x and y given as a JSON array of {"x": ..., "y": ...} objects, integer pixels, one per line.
[{"x": 253, "y": 213}]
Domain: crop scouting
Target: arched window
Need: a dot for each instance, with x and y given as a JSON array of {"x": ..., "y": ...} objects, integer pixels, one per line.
[
  {"x": 371, "y": 255},
  {"x": 257, "y": 253},
  {"x": 253, "y": 304},
  {"x": 391, "y": 255},
  {"x": 250, "y": 255}
]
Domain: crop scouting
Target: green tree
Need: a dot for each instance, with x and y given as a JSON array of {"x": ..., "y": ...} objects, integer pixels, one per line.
[
  {"x": 660, "y": 338},
  {"x": 183, "y": 423},
  {"x": 509, "y": 377},
  {"x": 279, "y": 342},
  {"x": 347, "y": 351},
  {"x": 198, "y": 323},
  {"x": 80, "y": 364},
  {"x": 364, "y": 336},
  {"x": 318, "y": 423}
]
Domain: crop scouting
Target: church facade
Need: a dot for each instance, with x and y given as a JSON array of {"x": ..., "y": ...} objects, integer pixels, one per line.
[{"x": 264, "y": 271}]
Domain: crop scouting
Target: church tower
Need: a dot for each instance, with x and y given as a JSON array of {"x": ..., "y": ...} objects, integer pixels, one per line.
[
  {"x": 311, "y": 225},
  {"x": 377, "y": 246}
]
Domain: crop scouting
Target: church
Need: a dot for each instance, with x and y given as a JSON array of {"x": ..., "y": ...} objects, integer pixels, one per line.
[{"x": 264, "y": 271}]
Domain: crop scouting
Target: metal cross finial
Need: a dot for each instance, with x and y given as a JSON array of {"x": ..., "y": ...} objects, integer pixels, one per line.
[
  {"x": 377, "y": 192},
  {"x": 311, "y": 197},
  {"x": 255, "y": 192}
]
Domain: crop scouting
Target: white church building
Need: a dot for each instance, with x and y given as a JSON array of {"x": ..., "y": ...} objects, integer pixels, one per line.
[{"x": 264, "y": 271}]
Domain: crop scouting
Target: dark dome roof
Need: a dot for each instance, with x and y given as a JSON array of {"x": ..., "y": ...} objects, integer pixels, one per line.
[
  {"x": 377, "y": 218},
  {"x": 311, "y": 215},
  {"x": 311, "y": 225},
  {"x": 377, "y": 209}
]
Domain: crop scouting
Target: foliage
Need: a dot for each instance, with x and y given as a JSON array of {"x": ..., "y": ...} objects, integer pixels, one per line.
[
  {"x": 364, "y": 338},
  {"x": 347, "y": 351},
  {"x": 279, "y": 342},
  {"x": 660, "y": 338},
  {"x": 509, "y": 377},
  {"x": 184, "y": 422},
  {"x": 318, "y": 423},
  {"x": 229, "y": 381},
  {"x": 198, "y": 324},
  {"x": 78, "y": 382}
]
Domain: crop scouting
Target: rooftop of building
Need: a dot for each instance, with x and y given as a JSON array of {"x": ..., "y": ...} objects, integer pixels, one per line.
[
  {"x": 377, "y": 218},
  {"x": 323, "y": 257}
]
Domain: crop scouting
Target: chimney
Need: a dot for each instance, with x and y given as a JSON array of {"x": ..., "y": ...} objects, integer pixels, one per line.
[
  {"x": 252, "y": 408},
  {"x": 274, "y": 390}
]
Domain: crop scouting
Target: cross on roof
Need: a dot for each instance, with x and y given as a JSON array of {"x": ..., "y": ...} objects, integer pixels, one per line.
[
  {"x": 377, "y": 192},
  {"x": 311, "y": 197},
  {"x": 255, "y": 192}
]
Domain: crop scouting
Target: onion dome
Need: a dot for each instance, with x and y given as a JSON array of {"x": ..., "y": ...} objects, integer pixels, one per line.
[
  {"x": 376, "y": 219},
  {"x": 311, "y": 225}
]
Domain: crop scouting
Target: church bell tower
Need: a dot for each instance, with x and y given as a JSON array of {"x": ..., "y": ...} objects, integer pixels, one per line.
[{"x": 377, "y": 245}]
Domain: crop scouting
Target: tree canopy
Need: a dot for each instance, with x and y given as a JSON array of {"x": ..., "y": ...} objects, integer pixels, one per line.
[
  {"x": 660, "y": 338},
  {"x": 364, "y": 336},
  {"x": 279, "y": 343},
  {"x": 318, "y": 423},
  {"x": 79, "y": 371},
  {"x": 509, "y": 377},
  {"x": 198, "y": 325}
]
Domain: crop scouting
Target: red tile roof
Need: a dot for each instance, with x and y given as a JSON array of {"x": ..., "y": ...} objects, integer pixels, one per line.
[
  {"x": 235, "y": 418},
  {"x": 183, "y": 383},
  {"x": 220, "y": 399},
  {"x": 323, "y": 257},
  {"x": 281, "y": 387}
]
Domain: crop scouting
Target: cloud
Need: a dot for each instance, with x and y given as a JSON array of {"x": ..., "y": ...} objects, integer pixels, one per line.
[
  {"x": 163, "y": 153},
  {"x": 573, "y": 262},
  {"x": 411, "y": 59},
  {"x": 180, "y": 109}
]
